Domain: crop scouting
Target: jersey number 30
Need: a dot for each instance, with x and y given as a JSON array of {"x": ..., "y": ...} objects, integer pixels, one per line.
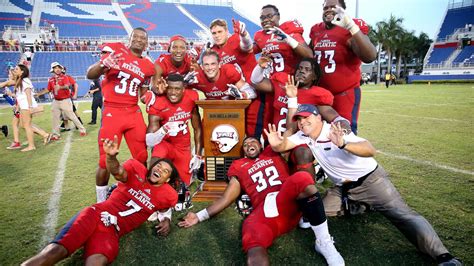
[{"x": 125, "y": 84}]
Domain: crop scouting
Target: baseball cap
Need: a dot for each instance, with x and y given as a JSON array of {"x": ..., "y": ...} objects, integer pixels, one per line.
[
  {"x": 55, "y": 64},
  {"x": 177, "y": 37},
  {"x": 305, "y": 110}
]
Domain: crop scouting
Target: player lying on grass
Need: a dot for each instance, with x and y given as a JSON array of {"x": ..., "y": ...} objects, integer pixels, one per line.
[{"x": 98, "y": 228}]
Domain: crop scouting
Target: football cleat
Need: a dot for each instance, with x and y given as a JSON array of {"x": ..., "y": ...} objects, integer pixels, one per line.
[
  {"x": 303, "y": 223},
  {"x": 326, "y": 248}
]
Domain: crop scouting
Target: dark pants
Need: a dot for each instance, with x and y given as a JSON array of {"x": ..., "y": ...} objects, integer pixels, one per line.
[
  {"x": 387, "y": 82},
  {"x": 96, "y": 103}
]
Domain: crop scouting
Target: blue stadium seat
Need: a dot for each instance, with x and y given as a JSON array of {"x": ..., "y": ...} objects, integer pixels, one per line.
[
  {"x": 75, "y": 62},
  {"x": 466, "y": 53},
  {"x": 206, "y": 14},
  {"x": 8, "y": 59},
  {"x": 454, "y": 19},
  {"x": 170, "y": 20},
  {"x": 14, "y": 12},
  {"x": 83, "y": 18},
  {"x": 440, "y": 54}
]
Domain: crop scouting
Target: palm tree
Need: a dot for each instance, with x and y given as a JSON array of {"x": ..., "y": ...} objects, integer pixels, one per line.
[
  {"x": 422, "y": 44},
  {"x": 404, "y": 47},
  {"x": 390, "y": 31},
  {"x": 376, "y": 35}
]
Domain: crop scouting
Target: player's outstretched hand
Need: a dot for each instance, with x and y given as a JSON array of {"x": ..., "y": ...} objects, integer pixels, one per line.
[
  {"x": 291, "y": 88},
  {"x": 112, "y": 60},
  {"x": 274, "y": 136},
  {"x": 342, "y": 19},
  {"x": 336, "y": 134},
  {"x": 111, "y": 147},
  {"x": 264, "y": 60},
  {"x": 239, "y": 27},
  {"x": 164, "y": 227},
  {"x": 189, "y": 220}
]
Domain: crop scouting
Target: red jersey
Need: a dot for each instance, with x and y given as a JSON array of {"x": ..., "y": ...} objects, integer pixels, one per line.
[
  {"x": 120, "y": 87},
  {"x": 340, "y": 65},
  {"x": 231, "y": 53},
  {"x": 72, "y": 81},
  {"x": 314, "y": 95},
  {"x": 164, "y": 61},
  {"x": 176, "y": 112},
  {"x": 284, "y": 58},
  {"x": 260, "y": 176},
  {"x": 61, "y": 80},
  {"x": 135, "y": 200},
  {"x": 217, "y": 90}
]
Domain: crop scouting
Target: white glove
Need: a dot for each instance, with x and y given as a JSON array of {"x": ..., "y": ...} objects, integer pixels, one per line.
[
  {"x": 284, "y": 37},
  {"x": 343, "y": 20},
  {"x": 234, "y": 92},
  {"x": 111, "y": 60},
  {"x": 172, "y": 128},
  {"x": 191, "y": 78},
  {"x": 195, "y": 163},
  {"x": 109, "y": 219}
]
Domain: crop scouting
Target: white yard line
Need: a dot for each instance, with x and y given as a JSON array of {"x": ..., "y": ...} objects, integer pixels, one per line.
[
  {"x": 51, "y": 219},
  {"x": 419, "y": 117},
  {"x": 428, "y": 163}
]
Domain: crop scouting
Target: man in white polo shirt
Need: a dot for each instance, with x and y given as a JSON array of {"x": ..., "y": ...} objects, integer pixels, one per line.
[{"x": 348, "y": 161}]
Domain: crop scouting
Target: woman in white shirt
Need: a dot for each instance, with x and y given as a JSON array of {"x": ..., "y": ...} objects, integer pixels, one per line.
[{"x": 26, "y": 102}]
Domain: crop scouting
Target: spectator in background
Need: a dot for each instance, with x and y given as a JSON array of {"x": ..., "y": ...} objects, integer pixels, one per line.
[
  {"x": 388, "y": 77},
  {"x": 28, "y": 54},
  {"x": 26, "y": 104},
  {"x": 393, "y": 79},
  {"x": 59, "y": 85},
  {"x": 96, "y": 91},
  {"x": 74, "y": 87}
]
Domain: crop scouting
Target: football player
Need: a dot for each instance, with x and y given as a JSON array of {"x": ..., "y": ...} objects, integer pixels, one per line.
[
  {"x": 176, "y": 61},
  {"x": 127, "y": 75},
  {"x": 98, "y": 228},
  {"x": 278, "y": 200},
  {"x": 168, "y": 132},
  {"x": 340, "y": 44},
  {"x": 237, "y": 49},
  {"x": 221, "y": 82}
]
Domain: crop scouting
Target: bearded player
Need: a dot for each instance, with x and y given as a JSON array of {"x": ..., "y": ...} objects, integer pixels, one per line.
[
  {"x": 98, "y": 228},
  {"x": 127, "y": 74},
  {"x": 340, "y": 44},
  {"x": 237, "y": 49},
  {"x": 278, "y": 199}
]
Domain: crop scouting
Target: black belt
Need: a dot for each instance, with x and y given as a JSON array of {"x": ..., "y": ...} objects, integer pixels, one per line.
[{"x": 350, "y": 185}]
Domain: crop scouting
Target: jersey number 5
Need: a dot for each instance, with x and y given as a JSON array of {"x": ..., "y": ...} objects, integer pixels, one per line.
[
  {"x": 271, "y": 176},
  {"x": 126, "y": 84}
]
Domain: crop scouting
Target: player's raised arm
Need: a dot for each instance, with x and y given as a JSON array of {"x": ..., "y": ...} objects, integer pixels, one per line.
[
  {"x": 230, "y": 195},
  {"x": 111, "y": 149}
]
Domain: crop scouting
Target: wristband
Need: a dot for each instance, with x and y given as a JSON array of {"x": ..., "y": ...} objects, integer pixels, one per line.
[
  {"x": 203, "y": 215},
  {"x": 344, "y": 143},
  {"x": 292, "y": 42},
  {"x": 292, "y": 102}
]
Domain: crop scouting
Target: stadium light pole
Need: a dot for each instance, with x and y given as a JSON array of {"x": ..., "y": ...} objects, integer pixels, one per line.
[{"x": 357, "y": 9}]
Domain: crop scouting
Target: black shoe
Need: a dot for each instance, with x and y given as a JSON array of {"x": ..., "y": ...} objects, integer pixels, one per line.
[
  {"x": 91, "y": 123},
  {"x": 62, "y": 129},
  {"x": 5, "y": 130}
]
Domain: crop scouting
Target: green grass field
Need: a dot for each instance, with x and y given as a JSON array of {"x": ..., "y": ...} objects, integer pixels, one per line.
[{"x": 424, "y": 135}]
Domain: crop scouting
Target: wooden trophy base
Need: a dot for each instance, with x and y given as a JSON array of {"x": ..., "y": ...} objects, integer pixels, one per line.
[{"x": 211, "y": 191}]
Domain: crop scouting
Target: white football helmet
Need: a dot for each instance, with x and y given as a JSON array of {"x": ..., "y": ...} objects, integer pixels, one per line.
[{"x": 225, "y": 137}]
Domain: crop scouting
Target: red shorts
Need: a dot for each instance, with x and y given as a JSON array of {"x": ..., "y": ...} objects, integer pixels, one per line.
[
  {"x": 86, "y": 229},
  {"x": 179, "y": 157},
  {"x": 347, "y": 104},
  {"x": 126, "y": 121},
  {"x": 260, "y": 231}
]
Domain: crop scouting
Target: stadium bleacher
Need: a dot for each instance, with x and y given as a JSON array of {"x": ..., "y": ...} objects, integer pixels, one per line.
[
  {"x": 14, "y": 13},
  {"x": 466, "y": 55},
  {"x": 206, "y": 14},
  {"x": 456, "y": 18},
  {"x": 8, "y": 59},
  {"x": 75, "y": 62},
  {"x": 440, "y": 54},
  {"x": 80, "y": 19},
  {"x": 171, "y": 20}
]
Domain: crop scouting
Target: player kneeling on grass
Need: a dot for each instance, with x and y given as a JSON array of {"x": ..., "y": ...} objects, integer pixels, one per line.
[
  {"x": 278, "y": 200},
  {"x": 348, "y": 161},
  {"x": 99, "y": 227},
  {"x": 168, "y": 132}
]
